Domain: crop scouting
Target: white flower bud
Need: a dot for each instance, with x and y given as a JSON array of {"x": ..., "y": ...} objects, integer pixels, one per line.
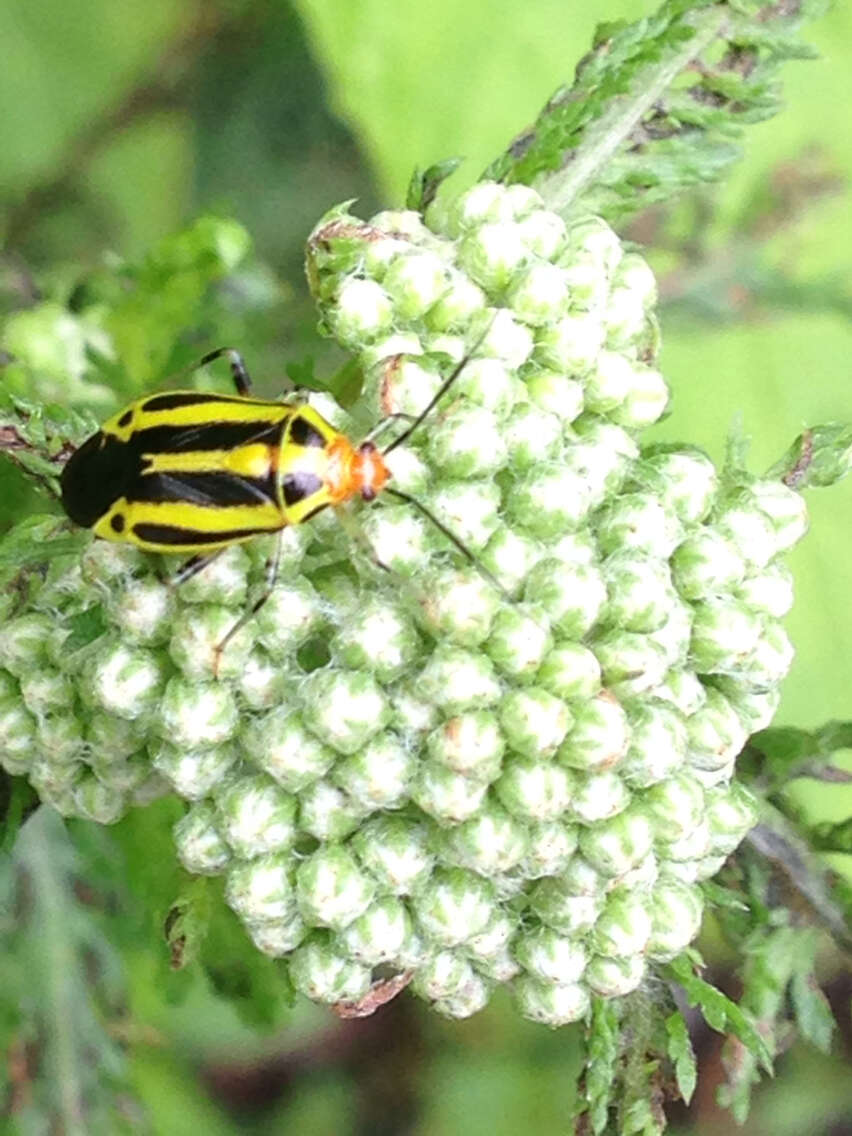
[{"x": 550, "y": 1004}]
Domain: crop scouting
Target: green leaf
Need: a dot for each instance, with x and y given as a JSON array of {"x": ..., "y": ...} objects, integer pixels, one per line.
[
  {"x": 811, "y": 1009},
  {"x": 719, "y": 1011},
  {"x": 819, "y": 457},
  {"x": 681, "y": 1054},
  {"x": 654, "y": 107},
  {"x": 424, "y": 184},
  {"x": 599, "y": 1075}
]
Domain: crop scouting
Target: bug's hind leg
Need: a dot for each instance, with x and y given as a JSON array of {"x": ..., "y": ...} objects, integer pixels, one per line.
[
  {"x": 239, "y": 371},
  {"x": 193, "y": 566},
  {"x": 250, "y": 612}
]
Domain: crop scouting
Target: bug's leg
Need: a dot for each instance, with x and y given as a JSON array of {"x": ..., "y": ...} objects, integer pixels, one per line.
[
  {"x": 383, "y": 422},
  {"x": 239, "y": 371},
  {"x": 250, "y": 612},
  {"x": 193, "y": 566}
]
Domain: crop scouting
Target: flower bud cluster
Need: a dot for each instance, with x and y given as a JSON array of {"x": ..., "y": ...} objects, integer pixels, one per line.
[{"x": 418, "y": 770}]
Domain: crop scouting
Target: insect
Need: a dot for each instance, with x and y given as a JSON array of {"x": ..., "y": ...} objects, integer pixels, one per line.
[{"x": 194, "y": 472}]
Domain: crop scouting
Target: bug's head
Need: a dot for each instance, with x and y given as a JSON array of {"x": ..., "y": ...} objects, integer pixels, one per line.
[{"x": 370, "y": 471}]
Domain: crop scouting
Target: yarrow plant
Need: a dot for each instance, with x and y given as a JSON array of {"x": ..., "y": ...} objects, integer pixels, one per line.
[{"x": 515, "y": 772}]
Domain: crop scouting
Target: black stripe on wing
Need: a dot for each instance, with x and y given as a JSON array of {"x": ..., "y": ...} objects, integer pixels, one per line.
[
  {"x": 204, "y": 436},
  {"x": 209, "y": 490},
  {"x": 176, "y": 537}
]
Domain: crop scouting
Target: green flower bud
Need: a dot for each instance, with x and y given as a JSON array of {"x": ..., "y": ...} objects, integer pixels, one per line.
[
  {"x": 448, "y": 796},
  {"x": 552, "y": 1005},
  {"x": 676, "y": 918},
  {"x": 379, "y": 776},
  {"x": 60, "y": 737},
  {"x": 592, "y": 236},
  {"x": 46, "y": 690},
  {"x": 531, "y": 435},
  {"x": 599, "y": 737},
  {"x": 754, "y": 708},
  {"x": 518, "y": 642},
  {"x": 287, "y": 618},
  {"x": 263, "y": 890},
  {"x": 324, "y": 974},
  {"x": 461, "y": 301},
  {"x": 571, "y": 596},
  {"x": 615, "y": 977},
  {"x": 724, "y": 635},
  {"x": 197, "y": 632},
  {"x": 693, "y": 845},
  {"x": 551, "y": 957},
  {"x": 638, "y": 521},
  {"x": 190, "y": 714},
  {"x": 415, "y": 281},
  {"x": 631, "y": 663},
  {"x": 470, "y": 744},
  {"x": 770, "y": 660},
  {"x": 617, "y": 845},
  {"x": 624, "y": 926},
  {"x": 363, "y": 311},
  {"x": 555, "y": 394},
  {"x": 674, "y": 807},
  {"x": 716, "y": 734},
  {"x": 658, "y": 744},
  {"x": 785, "y": 509},
  {"x": 223, "y": 581},
  {"x": 442, "y": 975},
  {"x": 262, "y": 683},
  {"x": 128, "y": 683},
  {"x": 687, "y": 481},
  {"x": 602, "y": 454},
  {"x": 344, "y": 708},
  {"x": 467, "y": 442},
  {"x": 201, "y": 848},
  {"x": 633, "y": 294},
  {"x": 580, "y": 878},
  {"x": 683, "y": 690},
  {"x": 571, "y": 344},
  {"x": 379, "y": 934},
  {"x": 456, "y": 680},
  {"x": 731, "y": 813},
  {"x": 397, "y": 537},
  {"x": 489, "y": 843},
  {"x": 534, "y": 722},
  {"x": 458, "y": 604},
  {"x": 542, "y": 232},
  {"x": 24, "y": 643},
  {"x": 327, "y": 812},
  {"x": 558, "y": 905},
  {"x": 279, "y": 743},
  {"x": 769, "y": 592},
  {"x": 454, "y": 906},
  {"x": 534, "y": 790},
  {"x": 539, "y": 293},
  {"x": 750, "y": 530},
  {"x": 706, "y": 564},
  {"x": 599, "y": 796},
  {"x": 491, "y": 944},
  {"x": 469, "y": 509},
  {"x": 639, "y": 590},
  {"x": 95, "y": 801},
  {"x": 378, "y": 638},
  {"x": 570, "y": 671},
  {"x": 331, "y": 889},
  {"x": 193, "y": 773},
  {"x": 492, "y": 254},
  {"x": 646, "y": 401},
  {"x": 144, "y": 611},
  {"x": 256, "y": 816},
  {"x": 550, "y": 845},
  {"x": 277, "y": 937},
  {"x": 395, "y": 852}
]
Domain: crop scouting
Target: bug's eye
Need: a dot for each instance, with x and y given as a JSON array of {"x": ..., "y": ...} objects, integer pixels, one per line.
[{"x": 368, "y": 493}]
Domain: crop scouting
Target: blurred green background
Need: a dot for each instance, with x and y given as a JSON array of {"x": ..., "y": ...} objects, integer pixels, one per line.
[{"x": 123, "y": 121}]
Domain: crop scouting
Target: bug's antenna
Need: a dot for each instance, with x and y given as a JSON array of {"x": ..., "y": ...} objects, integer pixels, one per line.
[
  {"x": 452, "y": 538},
  {"x": 442, "y": 390}
]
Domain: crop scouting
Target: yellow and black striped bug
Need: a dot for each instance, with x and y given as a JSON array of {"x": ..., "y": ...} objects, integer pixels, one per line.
[{"x": 195, "y": 472}]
